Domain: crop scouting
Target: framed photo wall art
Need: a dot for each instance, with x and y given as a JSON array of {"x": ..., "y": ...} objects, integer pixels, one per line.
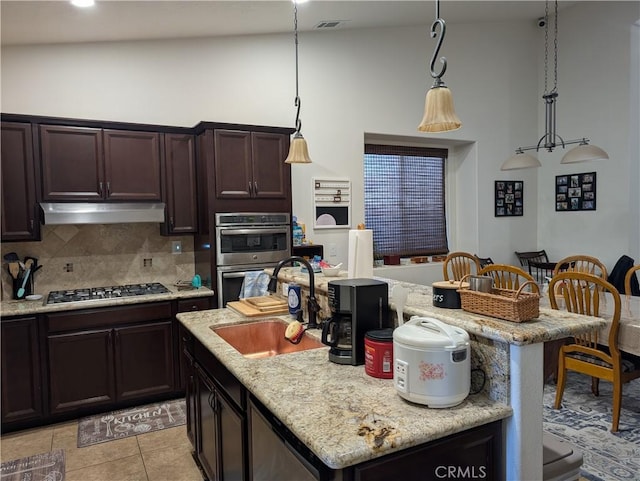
[
  {"x": 576, "y": 192},
  {"x": 509, "y": 198}
]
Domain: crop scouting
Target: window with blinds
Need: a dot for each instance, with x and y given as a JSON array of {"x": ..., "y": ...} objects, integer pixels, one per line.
[{"x": 404, "y": 199}]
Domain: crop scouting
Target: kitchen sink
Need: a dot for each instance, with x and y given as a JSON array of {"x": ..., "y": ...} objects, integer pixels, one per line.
[{"x": 264, "y": 338}]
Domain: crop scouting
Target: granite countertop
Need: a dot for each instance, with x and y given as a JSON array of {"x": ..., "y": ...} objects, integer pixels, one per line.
[
  {"x": 551, "y": 324},
  {"x": 24, "y": 307},
  {"x": 343, "y": 415}
]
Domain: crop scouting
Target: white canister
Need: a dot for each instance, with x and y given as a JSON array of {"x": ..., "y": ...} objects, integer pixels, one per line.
[{"x": 431, "y": 362}]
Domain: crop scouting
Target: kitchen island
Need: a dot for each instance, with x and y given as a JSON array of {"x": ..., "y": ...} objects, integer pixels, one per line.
[
  {"x": 510, "y": 354},
  {"x": 344, "y": 416}
]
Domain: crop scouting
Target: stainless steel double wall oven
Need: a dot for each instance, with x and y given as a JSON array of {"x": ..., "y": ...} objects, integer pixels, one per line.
[{"x": 248, "y": 242}]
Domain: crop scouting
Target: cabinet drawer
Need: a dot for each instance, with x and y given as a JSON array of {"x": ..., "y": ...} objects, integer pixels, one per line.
[
  {"x": 199, "y": 304},
  {"x": 107, "y": 317}
]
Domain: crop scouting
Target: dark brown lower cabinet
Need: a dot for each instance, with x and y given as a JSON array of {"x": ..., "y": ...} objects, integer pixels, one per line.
[
  {"x": 81, "y": 370},
  {"x": 103, "y": 357},
  {"x": 473, "y": 454},
  {"x": 21, "y": 377},
  {"x": 216, "y": 416},
  {"x": 191, "y": 396},
  {"x": 144, "y": 360},
  {"x": 207, "y": 429}
]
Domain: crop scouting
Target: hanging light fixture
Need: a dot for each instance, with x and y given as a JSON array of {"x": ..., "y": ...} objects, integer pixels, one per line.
[
  {"x": 439, "y": 114},
  {"x": 583, "y": 151},
  {"x": 298, "y": 151}
]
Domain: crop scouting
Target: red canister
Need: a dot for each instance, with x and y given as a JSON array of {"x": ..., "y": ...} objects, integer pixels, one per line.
[{"x": 378, "y": 353}]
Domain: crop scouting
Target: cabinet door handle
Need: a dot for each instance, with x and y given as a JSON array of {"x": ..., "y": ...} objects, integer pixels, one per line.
[
  {"x": 117, "y": 334},
  {"x": 250, "y": 189},
  {"x": 110, "y": 340},
  {"x": 108, "y": 189},
  {"x": 31, "y": 224},
  {"x": 100, "y": 188},
  {"x": 255, "y": 187},
  {"x": 171, "y": 224}
]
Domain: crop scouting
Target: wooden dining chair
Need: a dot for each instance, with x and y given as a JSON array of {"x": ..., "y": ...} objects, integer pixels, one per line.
[
  {"x": 484, "y": 261},
  {"x": 627, "y": 279},
  {"x": 508, "y": 277},
  {"x": 528, "y": 258},
  {"x": 582, "y": 263},
  {"x": 459, "y": 264},
  {"x": 584, "y": 293}
]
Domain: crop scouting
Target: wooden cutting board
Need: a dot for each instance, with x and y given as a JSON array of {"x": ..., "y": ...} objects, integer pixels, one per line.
[
  {"x": 248, "y": 310},
  {"x": 265, "y": 301}
]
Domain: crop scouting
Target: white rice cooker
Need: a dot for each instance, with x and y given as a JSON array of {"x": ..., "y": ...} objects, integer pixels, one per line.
[{"x": 431, "y": 362}]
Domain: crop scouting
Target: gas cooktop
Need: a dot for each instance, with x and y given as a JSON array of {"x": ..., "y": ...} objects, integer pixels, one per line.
[{"x": 108, "y": 292}]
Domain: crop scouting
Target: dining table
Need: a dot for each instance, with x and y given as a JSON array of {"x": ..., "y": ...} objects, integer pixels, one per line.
[{"x": 629, "y": 331}]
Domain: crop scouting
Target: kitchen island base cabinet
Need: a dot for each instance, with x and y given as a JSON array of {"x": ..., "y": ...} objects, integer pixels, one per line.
[
  {"x": 473, "y": 454},
  {"x": 21, "y": 377},
  {"x": 216, "y": 420}
]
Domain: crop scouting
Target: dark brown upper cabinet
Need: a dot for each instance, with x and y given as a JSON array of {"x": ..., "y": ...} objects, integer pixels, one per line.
[
  {"x": 93, "y": 164},
  {"x": 19, "y": 208},
  {"x": 251, "y": 165},
  {"x": 180, "y": 184}
]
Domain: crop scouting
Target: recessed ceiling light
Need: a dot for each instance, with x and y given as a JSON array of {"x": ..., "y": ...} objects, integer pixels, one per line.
[{"x": 83, "y": 3}]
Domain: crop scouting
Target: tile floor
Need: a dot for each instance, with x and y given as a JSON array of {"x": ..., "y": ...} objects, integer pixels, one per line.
[{"x": 158, "y": 456}]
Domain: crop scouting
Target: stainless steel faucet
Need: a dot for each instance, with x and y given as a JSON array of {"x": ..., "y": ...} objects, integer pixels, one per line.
[{"x": 312, "y": 304}]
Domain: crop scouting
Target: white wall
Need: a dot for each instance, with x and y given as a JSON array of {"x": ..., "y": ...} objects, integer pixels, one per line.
[
  {"x": 354, "y": 83},
  {"x": 595, "y": 91}
]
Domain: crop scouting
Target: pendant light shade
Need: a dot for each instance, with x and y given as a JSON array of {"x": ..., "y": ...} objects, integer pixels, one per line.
[
  {"x": 439, "y": 114},
  {"x": 584, "y": 152},
  {"x": 520, "y": 160},
  {"x": 550, "y": 140},
  {"x": 298, "y": 151}
]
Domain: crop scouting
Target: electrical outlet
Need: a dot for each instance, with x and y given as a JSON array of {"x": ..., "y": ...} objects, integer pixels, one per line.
[
  {"x": 147, "y": 262},
  {"x": 285, "y": 289},
  {"x": 176, "y": 247},
  {"x": 333, "y": 250},
  {"x": 68, "y": 267}
]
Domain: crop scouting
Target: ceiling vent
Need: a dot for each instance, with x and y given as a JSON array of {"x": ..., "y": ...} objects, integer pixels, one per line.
[{"x": 324, "y": 24}]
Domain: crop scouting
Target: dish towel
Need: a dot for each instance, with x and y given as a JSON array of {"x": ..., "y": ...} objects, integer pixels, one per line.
[{"x": 255, "y": 284}]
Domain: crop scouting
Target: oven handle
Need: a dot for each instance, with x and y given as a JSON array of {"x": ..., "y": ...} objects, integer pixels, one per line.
[
  {"x": 233, "y": 275},
  {"x": 252, "y": 231}
]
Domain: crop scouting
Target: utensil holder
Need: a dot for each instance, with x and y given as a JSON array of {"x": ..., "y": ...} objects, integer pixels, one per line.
[{"x": 17, "y": 284}]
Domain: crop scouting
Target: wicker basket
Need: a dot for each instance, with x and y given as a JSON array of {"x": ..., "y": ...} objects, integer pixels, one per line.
[{"x": 515, "y": 306}]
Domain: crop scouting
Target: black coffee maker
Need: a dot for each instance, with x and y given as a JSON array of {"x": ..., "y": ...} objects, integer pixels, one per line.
[{"x": 357, "y": 306}]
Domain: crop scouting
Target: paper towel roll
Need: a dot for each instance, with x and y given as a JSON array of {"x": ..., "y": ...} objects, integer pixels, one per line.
[{"x": 360, "y": 261}]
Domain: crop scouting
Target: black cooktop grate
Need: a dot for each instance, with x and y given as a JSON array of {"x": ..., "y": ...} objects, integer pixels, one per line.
[{"x": 107, "y": 292}]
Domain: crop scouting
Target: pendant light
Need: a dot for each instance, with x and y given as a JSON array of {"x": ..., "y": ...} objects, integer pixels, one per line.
[
  {"x": 583, "y": 151},
  {"x": 298, "y": 151},
  {"x": 439, "y": 114}
]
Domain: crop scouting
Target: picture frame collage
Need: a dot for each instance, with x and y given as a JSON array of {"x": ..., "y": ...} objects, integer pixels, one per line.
[
  {"x": 509, "y": 198},
  {"x": 575, "y": 192}
]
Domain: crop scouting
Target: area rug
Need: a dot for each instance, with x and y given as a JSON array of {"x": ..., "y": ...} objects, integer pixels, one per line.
[
  {"x": 585, "y": 422},
  {"x": 131, "y": 422},
  {"x": 45, "y": 467}
]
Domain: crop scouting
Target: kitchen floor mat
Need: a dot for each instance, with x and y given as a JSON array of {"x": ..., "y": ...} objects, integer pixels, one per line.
[
  {"x": 47, "y": 466},
  {"x": 105, "y": 427}
]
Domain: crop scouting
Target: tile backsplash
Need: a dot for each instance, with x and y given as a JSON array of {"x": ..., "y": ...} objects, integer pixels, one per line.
[{"x": 76, "y": 256}]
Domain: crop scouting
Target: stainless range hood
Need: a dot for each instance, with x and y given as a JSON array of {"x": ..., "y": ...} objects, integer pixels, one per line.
[{"x": 59, "y": 213}]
